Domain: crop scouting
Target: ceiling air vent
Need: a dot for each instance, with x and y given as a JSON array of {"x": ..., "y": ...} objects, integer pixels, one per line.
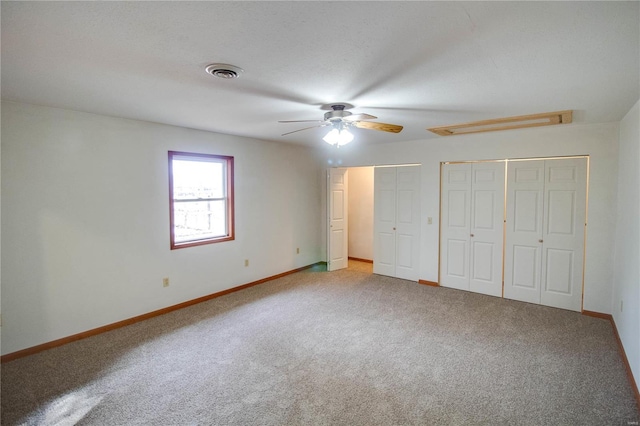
[
  {"x": 225, "y": 71},
  {"x": 518, "y": 122}
]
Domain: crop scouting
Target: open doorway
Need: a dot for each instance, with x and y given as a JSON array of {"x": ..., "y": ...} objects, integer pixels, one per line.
[
  {"x": 360, "y": 203},
  {"x": 350, "y": 213}
]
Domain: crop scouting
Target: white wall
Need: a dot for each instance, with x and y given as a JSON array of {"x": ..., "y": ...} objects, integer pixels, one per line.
[
  {"x": 85, "y": 220},
  {"x": 627, "y": 248},
  {"x": 0, "y": 242},
  {"x": 600, "y": 141},
  {"x": 361, "y": 212}
]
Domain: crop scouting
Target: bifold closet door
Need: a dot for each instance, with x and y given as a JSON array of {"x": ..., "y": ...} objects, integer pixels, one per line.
[
  {"x": 396, "y": 236},
  {"x": 487, "y": 228},
  {"x": 546, "y": 210},
  {"x": 384, "y": 220},
  {"x": 523, "y": 253},
  {"x": 472, "y": 227},
  {"x": 456, "y": 225},
  {"x": 565, "y": 209}
]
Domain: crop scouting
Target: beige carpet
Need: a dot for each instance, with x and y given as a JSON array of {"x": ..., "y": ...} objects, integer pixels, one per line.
[{"x": 345, "y": 347}]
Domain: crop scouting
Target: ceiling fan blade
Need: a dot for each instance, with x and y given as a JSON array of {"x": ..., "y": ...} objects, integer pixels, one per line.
[
  {"x": 356, "y": 117},
  {"x": 393, "y": 128},
  {"x": 301, "y": 121},
  {"x": 307, "y": 128}
]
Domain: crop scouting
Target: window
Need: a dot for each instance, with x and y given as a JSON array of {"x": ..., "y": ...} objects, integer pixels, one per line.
[{"x": 201, "y": 198}]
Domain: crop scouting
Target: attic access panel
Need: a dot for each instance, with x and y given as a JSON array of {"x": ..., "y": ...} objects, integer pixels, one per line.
[{"x": 508, "y": 123}]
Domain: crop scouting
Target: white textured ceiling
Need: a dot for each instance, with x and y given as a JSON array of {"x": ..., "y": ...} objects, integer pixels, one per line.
[{"x": 417, "y": 64}]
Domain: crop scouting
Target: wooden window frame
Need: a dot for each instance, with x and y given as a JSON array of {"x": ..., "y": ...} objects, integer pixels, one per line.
[{"x": 229, "y": 196}]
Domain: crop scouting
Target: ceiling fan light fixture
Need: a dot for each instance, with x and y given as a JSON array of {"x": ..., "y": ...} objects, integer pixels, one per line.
[
  {"x": 340, "y": 120},
  {"x": 226, "y": 71},
  {"x": 338, "y": 137}
]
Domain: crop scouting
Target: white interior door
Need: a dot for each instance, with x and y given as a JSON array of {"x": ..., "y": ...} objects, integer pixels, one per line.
[
  {"x": 455, "y": 225},
  {"x": 396, "y": 237},
  {"x": 546, "y": 209},
  {"x": 565, "y": 197},
  {"x": 472, "y": 201},
  {"x": 487, "y": 228},
  {"x": 408, "y": 222},
  {"x": 337, "y": 239},
  {"x": 384, "y": 221},
  {"x": 523, "y": 251}
]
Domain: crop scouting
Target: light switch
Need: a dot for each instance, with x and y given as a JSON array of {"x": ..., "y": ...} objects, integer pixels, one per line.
[{"x": 430, "y": 220}]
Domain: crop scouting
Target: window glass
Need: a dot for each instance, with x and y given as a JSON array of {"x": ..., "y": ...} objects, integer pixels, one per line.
[
  {"x": 198, "y": 179},
  {"x": 201, "y": 197}
]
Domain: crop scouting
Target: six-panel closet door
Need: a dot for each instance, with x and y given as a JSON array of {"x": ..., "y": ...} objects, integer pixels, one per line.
[
  {"x": 396, "y": 239},
  {"x": 544, "y": 252},
  {"x": 472, "y": 215}
]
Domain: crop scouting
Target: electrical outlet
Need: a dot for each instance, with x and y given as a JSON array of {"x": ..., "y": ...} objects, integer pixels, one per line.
[
  {"x": 165, "y": 282},
  {"x": 246, "y": 262},
  {"x": 298, "y": 250},
  {"x": 430, "y": 220}
]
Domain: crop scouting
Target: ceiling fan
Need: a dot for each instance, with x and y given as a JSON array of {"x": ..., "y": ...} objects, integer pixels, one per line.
[{"x": 340, "y": 120}]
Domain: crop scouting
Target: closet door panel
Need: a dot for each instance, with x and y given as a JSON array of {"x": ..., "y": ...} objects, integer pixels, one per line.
[
  {"x": 564, "y": 214},
  {"x": 405, "y": 251},
  {"x": 486, "y": 228},
  {"x": 384, "y": 219},
  {"x": 558, "y": 275},
  {"x": 483, "y": 259},
  {"x": 408, "y": 223},
  {"x": 385, "y": 260},
  {"x": 525, "y": 276},
  {"x": 455, "y": 225},
  {"x": 523, "y": 251},
  {"x": 455, "y": 260}
]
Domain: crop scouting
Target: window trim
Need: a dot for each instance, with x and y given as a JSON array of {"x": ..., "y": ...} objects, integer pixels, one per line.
[{"x": 229, "y": 197}]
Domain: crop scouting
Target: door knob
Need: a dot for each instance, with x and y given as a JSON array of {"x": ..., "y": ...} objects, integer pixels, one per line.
[
  {"x": 394, "y": 228},
  {"x": 472, "y": 235},
  {"x": 540, "y": 241}
]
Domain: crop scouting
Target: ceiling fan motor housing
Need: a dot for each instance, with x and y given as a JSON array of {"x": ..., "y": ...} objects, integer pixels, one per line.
[{"x": 336, "y": 115}]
